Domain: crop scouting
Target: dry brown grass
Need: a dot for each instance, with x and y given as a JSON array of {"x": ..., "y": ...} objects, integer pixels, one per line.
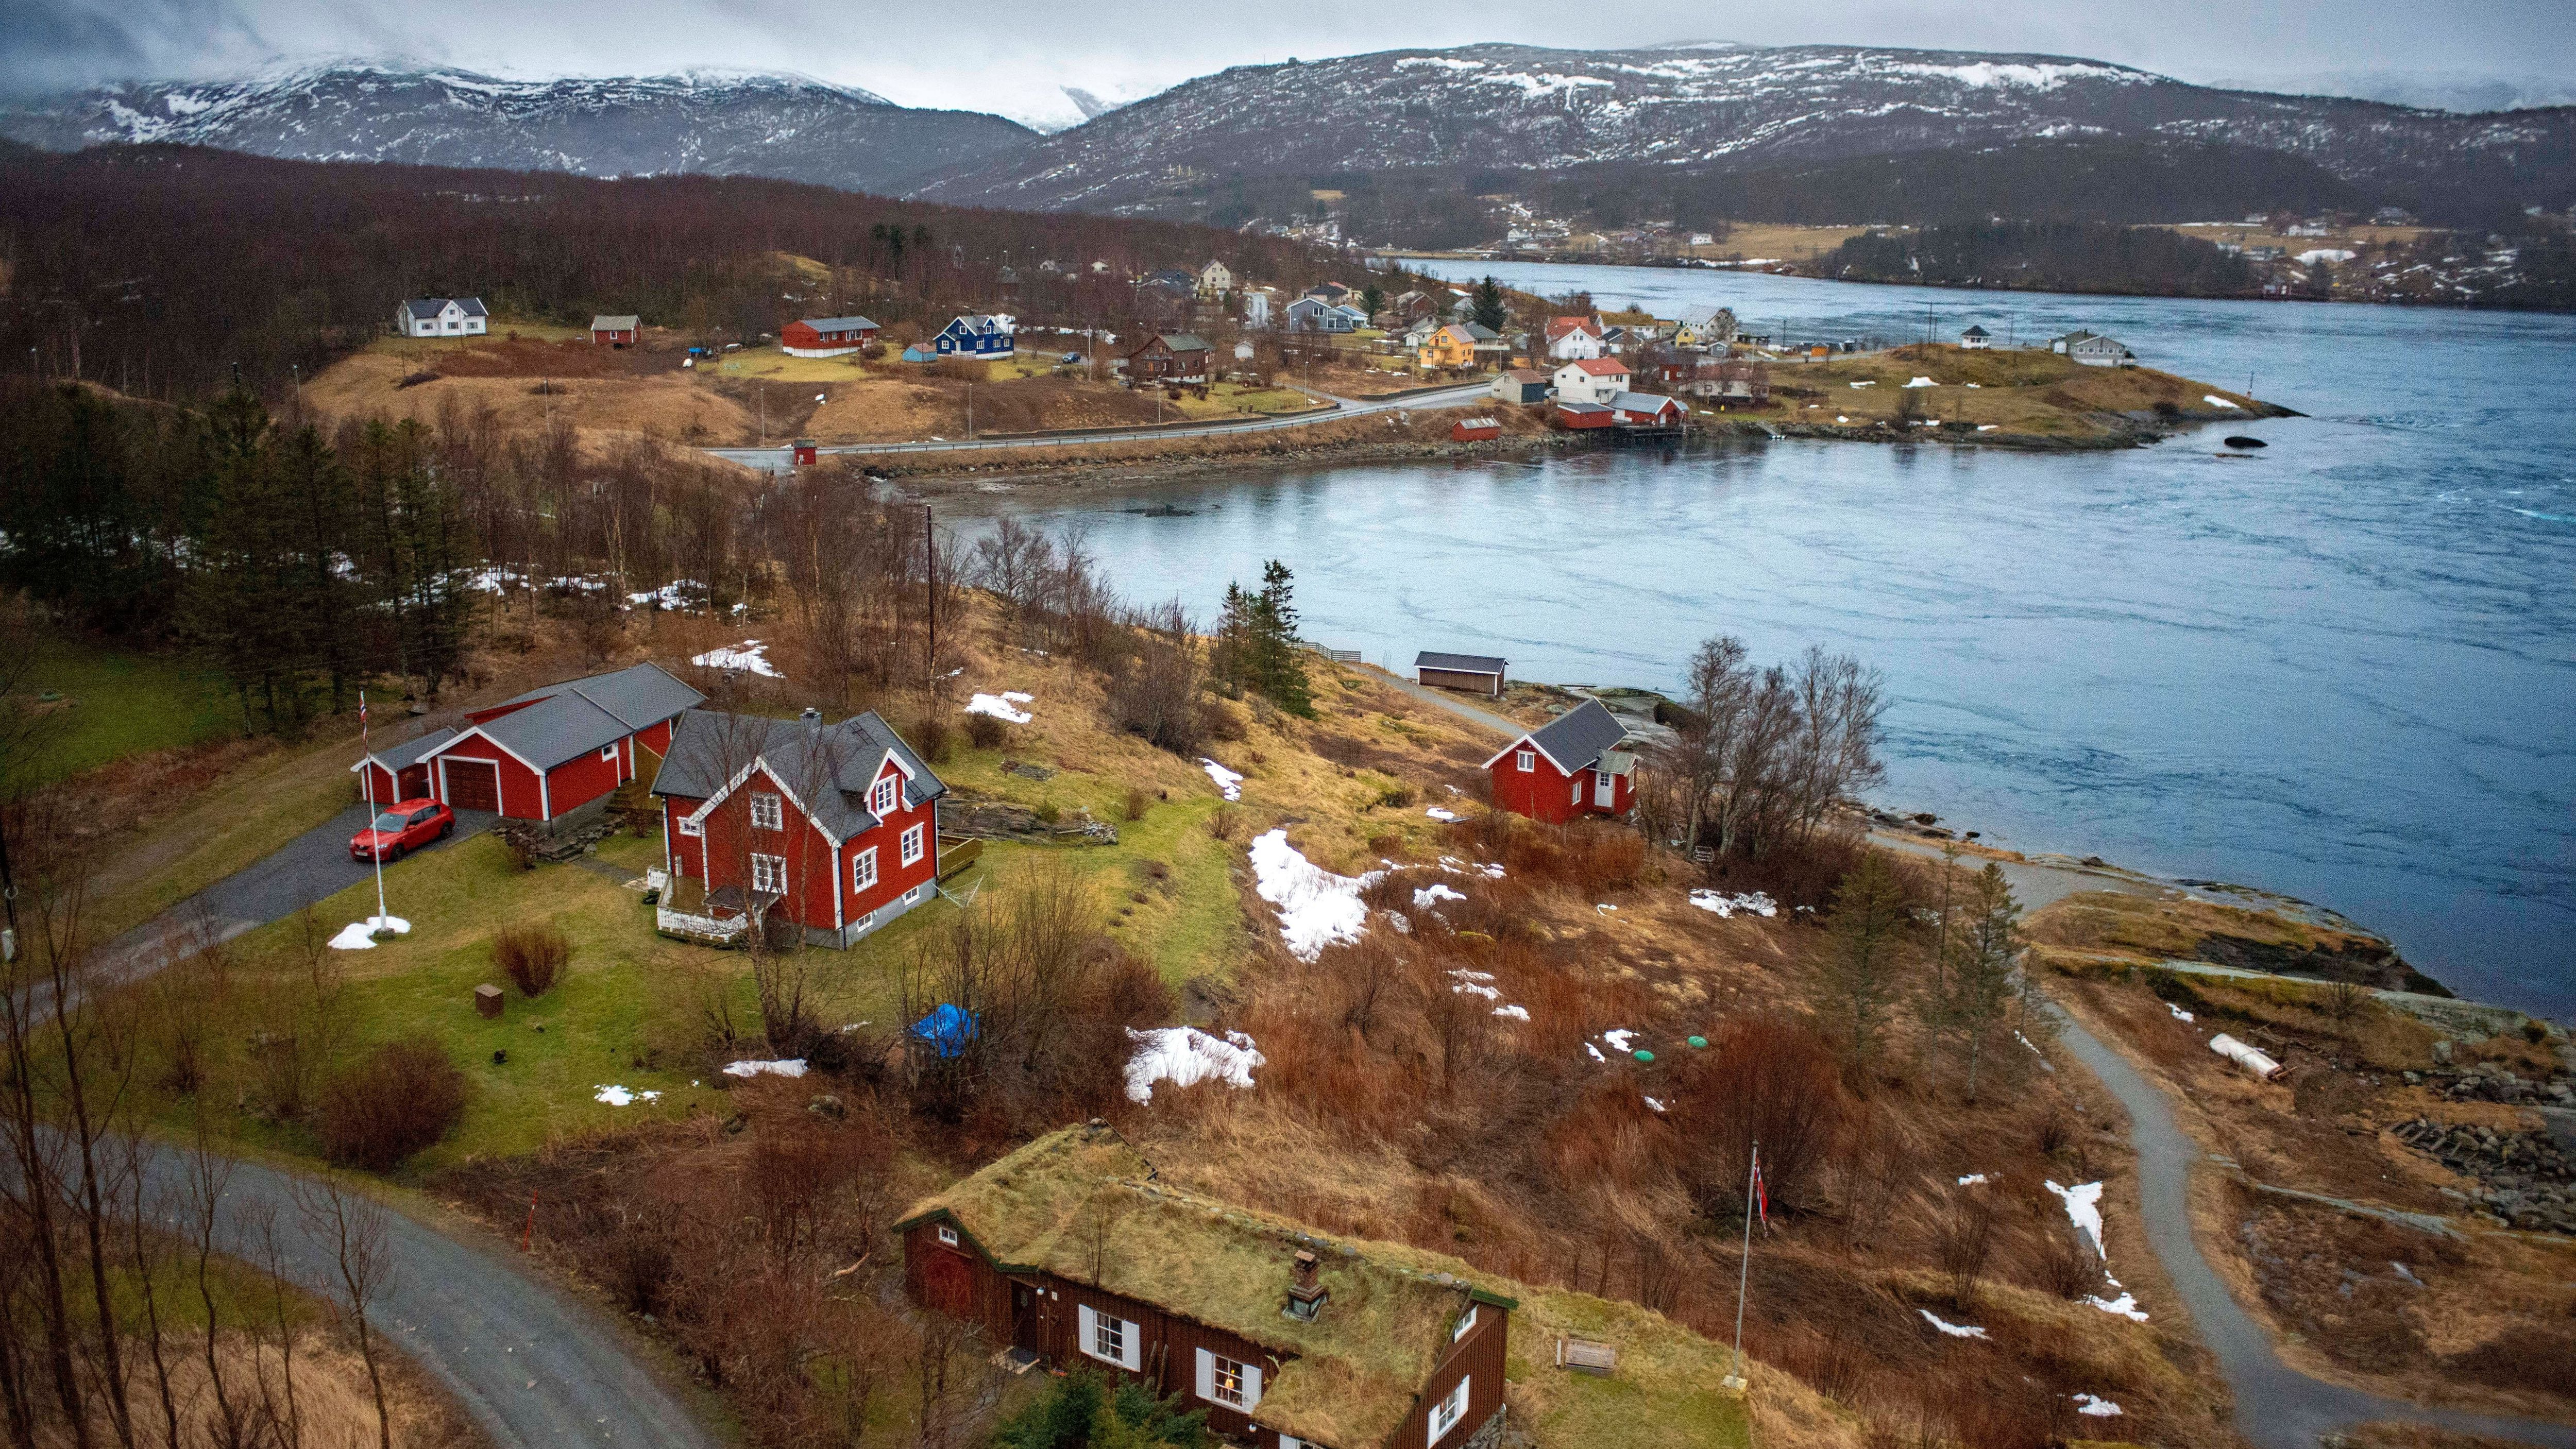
[{"x": 669, "y": 406}]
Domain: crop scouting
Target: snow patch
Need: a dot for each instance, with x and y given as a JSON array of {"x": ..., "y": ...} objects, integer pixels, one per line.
[
  {"x": 1954, "y": 1330},
  {"x": 998, "y": 706},
  {"x": 2096, "y": 1405},
  {"x": 1516, "y": 1013},
  {"x": 1596, "y": 1053},
  {"x": 2214, "y": 400},
  {"x": 791, "y": 1067},
  {"x": 1184, "y": 1055},
  {"x": 1619, "y": 1038},
  {"x": 617, "y": 1096},
  {"x": 1437, "y": 62},
  {"x": 1433, "y": 894},
  {"x": 2084, "y": 1209},
  {"x": 1972, "y": 1179},
  {"x": 1724, "y": 905},
  {"x": 2178, "y": 1013},
  {"x": 361, "y": 935},
  {"x": 748, "y": 656},
  {"x": 1228, "y": 783},
  {"x": 1651, "y": 1102},
  {"x": 2126, "y": 1305},
  {"x": 1922, "y": 382},
  {"x": 1316, "y": 907},
  {"x": 1445, "y": 817},
  {"x": 2314, "y": 255}
]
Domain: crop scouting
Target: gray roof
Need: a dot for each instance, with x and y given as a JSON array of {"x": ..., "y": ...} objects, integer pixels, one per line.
[
  {"x": 1183, "y": 341},
  {"x": 828, "y": 767},
  {"x": 637, "y": 696},
  {"x": 408, "y": 753},
  {"x": 1459, "y": 663},
  {"x": 1975, "y": 331},
  {"x": 624, "y": 322},
  {"x": 432, "y": 306},
  {"x": 1577, "y": 738},
  {"x": 1641, "y": 402},
  {"x": 472, "y": 306},
  {"x": 842, "y": 324}
]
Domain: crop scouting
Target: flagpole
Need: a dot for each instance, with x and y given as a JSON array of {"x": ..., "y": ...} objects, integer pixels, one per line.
[
  {"x": 1744, "y": 1263},
  {"x": 375, "y": 851}
]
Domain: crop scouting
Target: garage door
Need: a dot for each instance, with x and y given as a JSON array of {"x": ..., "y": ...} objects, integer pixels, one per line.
[{"x": 473, "y": 785}]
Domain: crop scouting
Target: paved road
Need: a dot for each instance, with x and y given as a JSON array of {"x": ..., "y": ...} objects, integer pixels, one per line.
[
  {"x": 312, "y": 867},
  {"x": 531, "y": 1365},
  {"x": 1449, "y": 700},
  {"x": 778, "y": 460}
]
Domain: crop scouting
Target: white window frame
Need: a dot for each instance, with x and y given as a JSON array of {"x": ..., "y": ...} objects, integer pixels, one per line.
[
  {"x": 885, "y": 797},
  {"x": 863, "y": 869},
  {"x": 912, "y": 851},
  {"x": 1449, "y": 1412},
  {"x": 947, "y": 1235},
  {"x": 768, "y": 812},
  {"x": 692, "y": 828},
  {"x": 1525, "y": 761},
  {"x": 1577, "y": 782},
  {"x": 1466, "y": 1321},
  {"x": 771, "y": 866},
  {"x": 1119, "y": 1342},
  {"x": 1247, "y": 1377},
  {"x": 608, "y": 752}
]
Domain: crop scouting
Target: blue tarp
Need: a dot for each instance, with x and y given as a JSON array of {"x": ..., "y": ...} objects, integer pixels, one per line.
[{"x": 947, "y": 1029}]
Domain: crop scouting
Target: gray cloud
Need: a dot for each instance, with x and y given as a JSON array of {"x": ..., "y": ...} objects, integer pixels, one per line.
[{"x": 1018, "y": 57}]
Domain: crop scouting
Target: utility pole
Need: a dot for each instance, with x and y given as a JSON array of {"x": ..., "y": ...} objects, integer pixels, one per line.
[
  {"x": 970, "y": 412},
  {"x": 376, "y": 847},
  {"x": 1744, "y": 1267}
]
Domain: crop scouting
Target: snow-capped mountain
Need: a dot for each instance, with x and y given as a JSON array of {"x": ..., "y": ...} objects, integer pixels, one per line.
[
  {"x": 1524, "y": 107},
  {"x": 721, "y": 122}
]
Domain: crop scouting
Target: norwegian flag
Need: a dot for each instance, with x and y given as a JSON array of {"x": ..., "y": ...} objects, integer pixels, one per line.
[{"x": 1761, "y": 1191}]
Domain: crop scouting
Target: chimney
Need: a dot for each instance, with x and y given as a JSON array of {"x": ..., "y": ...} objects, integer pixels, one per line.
[
  {"x": 1305, "y": 1295},
  {"x": 813, "y": 722}
]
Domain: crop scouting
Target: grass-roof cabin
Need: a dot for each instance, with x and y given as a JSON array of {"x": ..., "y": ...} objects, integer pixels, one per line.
[{"x": 1070, "y": 1248}]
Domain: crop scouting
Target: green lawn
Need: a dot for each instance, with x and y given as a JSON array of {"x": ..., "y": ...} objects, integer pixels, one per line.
[{"x": 117, "y": 702}]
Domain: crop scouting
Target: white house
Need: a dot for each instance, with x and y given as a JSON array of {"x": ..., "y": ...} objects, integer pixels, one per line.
[
  {"x": 1591, "y": 380},
  {"x": 1256, "y": 306},
  {"x": 442, "y": 317},
  {"x": 1976, "y": 339},
  {"x": 1572, "y": 339},
  {"x": 2094, "y": 350},
  {"x": 1215, "y": 279}
]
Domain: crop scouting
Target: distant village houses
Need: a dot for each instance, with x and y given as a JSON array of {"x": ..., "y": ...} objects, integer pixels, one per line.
[{"x": 1216, "y": 279}]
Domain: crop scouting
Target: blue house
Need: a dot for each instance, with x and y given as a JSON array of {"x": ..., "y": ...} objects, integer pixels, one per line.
[
  {"x": 980, "y": 335},
  {"x": 1313, "y": 314}
]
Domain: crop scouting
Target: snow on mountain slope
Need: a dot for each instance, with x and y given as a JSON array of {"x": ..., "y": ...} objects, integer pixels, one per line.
[
  {"x": 708, "y": 120},
  {"x": 1524, "y": 107}
]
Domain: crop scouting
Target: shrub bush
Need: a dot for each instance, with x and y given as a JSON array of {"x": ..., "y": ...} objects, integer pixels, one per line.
[
  {"x": 1135, "y": 803},
  {"x": 962, "y": 369},
  {"x": 403, "y": 1097},
  {"x": 532, "y": 955},
  {"x": 1770, "y": 1079},
  {"x": 932, "y": 739},
  {"x": 985, "y": 732}
]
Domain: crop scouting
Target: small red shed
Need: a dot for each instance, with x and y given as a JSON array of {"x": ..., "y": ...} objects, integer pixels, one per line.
[
  {"x": 607, "y": 331},
  {"x": 803, "y": 452},
  {"x": 1571, "y": 767},
  {"x": 1475, "y": 430}
]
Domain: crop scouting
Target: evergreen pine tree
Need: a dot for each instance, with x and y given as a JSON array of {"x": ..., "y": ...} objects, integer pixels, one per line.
[
  {"x": 1490, "y": 311},
  {"x": 436, "y": 552},
  {"x": 1279, "y": 672},
  {"x": 312, "y": 482},
  {"x": 1985, "y": 980},
  {"x": 1864, "y": 971},
  {"x": 243, "y": 605},
  {"x": 1231, "y": 662}
]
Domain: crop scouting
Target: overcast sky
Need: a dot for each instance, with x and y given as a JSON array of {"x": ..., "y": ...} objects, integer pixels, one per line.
[{"x": 1016, "y": 56}]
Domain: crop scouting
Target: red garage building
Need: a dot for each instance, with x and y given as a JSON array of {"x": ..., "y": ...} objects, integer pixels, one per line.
[
  {"x": 556, "y": 754},
  {"x": 1570, "y": 768},
  {"x": 826, "y": 336},
  {"x": 836, "y": 827},
  {"x": 614, "y": 331}
]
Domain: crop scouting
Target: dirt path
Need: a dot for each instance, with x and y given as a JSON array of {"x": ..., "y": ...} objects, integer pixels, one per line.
[
  {"x": 530, "y": 1364},
  {"x": 1455, "y": 704}
]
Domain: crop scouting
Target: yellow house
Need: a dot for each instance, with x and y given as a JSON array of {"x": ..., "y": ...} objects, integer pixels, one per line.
[{"x": 1451, "y": 346}]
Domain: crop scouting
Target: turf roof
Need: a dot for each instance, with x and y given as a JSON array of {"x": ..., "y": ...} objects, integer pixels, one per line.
[{"x": 1357, "y": 1368}]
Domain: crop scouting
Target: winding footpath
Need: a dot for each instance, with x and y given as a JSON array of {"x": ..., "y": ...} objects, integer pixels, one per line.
[
  {"x": 779, "y": 459},
  {"x": 531, "y": 1365}
]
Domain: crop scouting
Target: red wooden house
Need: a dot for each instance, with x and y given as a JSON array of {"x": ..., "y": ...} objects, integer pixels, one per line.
[
  {"x": 835, "y": 828},
  {"x": 614, "y": 331},
  {"x": 1571, "y": 767},
  {"x": 826, "y": 336},
  {"x": 556, "y": 754},
  {"x": 1581, "y": 415},
  {"x": 398, "y": 772},
  {"x": 1647, "y": 410},
  {"x": 1475, "y": 430},
  {"x": 1071, "y": 1253}
]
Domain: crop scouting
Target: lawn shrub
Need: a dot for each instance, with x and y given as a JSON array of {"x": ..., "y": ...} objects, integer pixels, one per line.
[
  {"x": 1798, "y": 871},
  {"x": 532, "y": 955},
  {"x": 1766, "y": 1078},
  {"x": 1134, "y": 805},
  {"x": 933, "y": 739},
  {"x": 403, "y": 1097},
  {"x": 986, "y": 732}
]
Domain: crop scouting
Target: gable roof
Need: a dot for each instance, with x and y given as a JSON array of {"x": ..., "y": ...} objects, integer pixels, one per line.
[
  {"x": 1559, "y": 326},
  {"x": 828, "y": 768},
  {"x": 1574, "y": 740},
  {"x": 1642, "y": 402},
  {"x": 1974, "y": 331},
  {"x": 637, "y": 696},
  {"x": 840, "y": 324},
  {"x": 1176, "y": 342},
  {"x": 545, "y": 734},
  {"x": 1479, "y": 332},
  {"x": 1600, "y": 366},
  {"x": 626, "y": 322},
  {"x": 1460, "y": 663},
  {"x": 402, "y": 756},
  {"x": 1527, "y": 375},
  {"x": 1580, "y": 409},
  {"x": 1358, "y": 1368}
]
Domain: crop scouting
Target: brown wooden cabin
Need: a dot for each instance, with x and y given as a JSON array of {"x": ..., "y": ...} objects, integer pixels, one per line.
[{"x": 1070, "y": 1249}]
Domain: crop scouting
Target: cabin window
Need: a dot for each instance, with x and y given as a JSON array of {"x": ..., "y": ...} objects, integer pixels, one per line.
[
  {"x": 863, "y": 869},
  {"x": 766, "y": 814},
  {"x": 882, "y": 799},
  {"x": 608, "y": 753},
  {"x": 769, "y": 874},
  {"x": 1525, "y": 761},
  {"x": 1466, "y": 1320},
  {"x": 1446, "y": 1414},
  {"x": 1109, "y": 1338},
  {"x": 1224, "y": 1381},
  {"x": 912, "y": 845},
  {"x": 691, "y": 827},
  {"x": 1577, "y": 782},
  {"x": 947, "y": 1235},
  {"x": 1603, "y": 778}
]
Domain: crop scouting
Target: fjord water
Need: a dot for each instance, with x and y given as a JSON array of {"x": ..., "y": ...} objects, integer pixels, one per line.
[{"x": 2343, "y": 668}]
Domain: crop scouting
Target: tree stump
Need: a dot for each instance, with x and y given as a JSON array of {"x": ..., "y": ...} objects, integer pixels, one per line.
[{"x": 487, "y": 1000}]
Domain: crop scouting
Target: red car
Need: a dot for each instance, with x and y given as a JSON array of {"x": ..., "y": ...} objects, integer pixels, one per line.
[{"x": 401, "y": 828}]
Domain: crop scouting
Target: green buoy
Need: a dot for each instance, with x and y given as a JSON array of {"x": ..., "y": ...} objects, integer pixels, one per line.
[
  {"x": 1699, "y": 1041},
  {"x": 1644, "y": 1055}
]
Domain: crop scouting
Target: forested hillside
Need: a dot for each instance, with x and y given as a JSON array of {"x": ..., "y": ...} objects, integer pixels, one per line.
[
  {"x": 161, "y": 269},
  {"x": 2044, "y": 256}
]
